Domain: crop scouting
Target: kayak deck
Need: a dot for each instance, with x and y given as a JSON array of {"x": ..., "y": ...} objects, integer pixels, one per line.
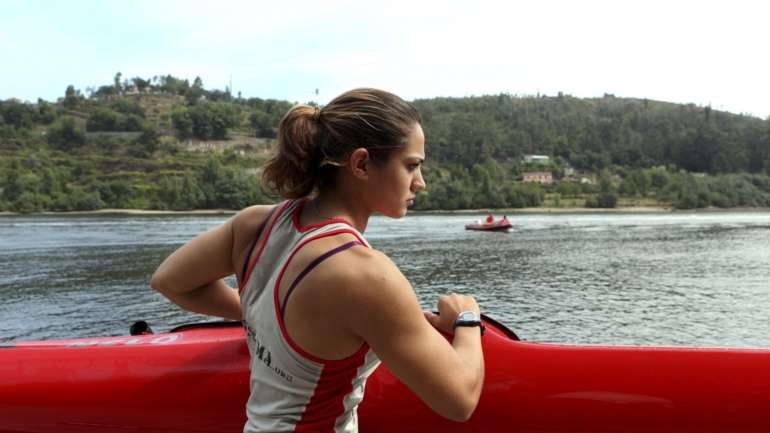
[{"x": 196, "y": 379}]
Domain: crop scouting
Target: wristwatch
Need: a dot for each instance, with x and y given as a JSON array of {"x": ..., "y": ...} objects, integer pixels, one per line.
[{"x": 469, "y": 318}]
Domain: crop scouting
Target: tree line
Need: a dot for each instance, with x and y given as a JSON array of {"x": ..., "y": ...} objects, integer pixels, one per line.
[{"x": 120, "y": 146}]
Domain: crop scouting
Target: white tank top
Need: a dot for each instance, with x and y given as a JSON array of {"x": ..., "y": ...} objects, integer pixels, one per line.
[{"x": 292, "y": 390}]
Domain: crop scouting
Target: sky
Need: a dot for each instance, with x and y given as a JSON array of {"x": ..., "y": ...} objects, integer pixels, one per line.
[{"x": 701, "y": 52}]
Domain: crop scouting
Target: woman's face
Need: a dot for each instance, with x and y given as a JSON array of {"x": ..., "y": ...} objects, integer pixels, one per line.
[{"x": 396, "y": 182}]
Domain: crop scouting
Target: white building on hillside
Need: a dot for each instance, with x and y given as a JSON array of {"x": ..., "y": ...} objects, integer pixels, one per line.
[{"x": 543, "y": 159}]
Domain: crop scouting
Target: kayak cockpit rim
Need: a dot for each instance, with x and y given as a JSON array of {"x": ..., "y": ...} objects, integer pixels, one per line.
[{"x": 231, "y": 324}]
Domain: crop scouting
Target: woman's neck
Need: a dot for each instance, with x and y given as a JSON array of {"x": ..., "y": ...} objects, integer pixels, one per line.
[{"x": 327, "y": 205}]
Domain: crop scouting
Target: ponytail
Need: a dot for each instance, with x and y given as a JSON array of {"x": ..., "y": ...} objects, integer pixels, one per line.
[{"x": 291, "y": 172}]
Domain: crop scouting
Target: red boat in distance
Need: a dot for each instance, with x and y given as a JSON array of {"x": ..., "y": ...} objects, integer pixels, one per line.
[{"x": 491, "y": 225}]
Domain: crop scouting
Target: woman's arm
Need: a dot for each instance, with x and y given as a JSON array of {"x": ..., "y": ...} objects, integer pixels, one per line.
[
  {"x": 191, "y": 276},
  {"x": 386, "y": 314}
]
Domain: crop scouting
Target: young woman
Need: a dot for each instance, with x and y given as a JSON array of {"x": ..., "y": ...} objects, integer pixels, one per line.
[{"x": 321, "y": 308}]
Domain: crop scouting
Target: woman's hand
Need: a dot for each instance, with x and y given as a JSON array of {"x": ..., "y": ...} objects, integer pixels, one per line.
[{"x": 449, "y": 307}]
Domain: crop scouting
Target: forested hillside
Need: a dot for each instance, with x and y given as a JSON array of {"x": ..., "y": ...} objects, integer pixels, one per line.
[{"x": 164, "y": 143}]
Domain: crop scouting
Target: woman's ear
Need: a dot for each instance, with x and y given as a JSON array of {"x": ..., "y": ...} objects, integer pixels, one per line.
[{"x": 359, "y": 163}]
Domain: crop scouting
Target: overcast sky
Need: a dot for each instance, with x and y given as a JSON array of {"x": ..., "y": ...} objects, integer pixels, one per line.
[{"x": 701, "y": 52}]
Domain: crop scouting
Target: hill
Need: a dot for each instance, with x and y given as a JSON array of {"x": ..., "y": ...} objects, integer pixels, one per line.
[{"x": 163, "y": 143}]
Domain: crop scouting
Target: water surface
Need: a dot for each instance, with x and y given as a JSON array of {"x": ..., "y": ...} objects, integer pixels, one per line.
[{"x": 663, "y": 279}]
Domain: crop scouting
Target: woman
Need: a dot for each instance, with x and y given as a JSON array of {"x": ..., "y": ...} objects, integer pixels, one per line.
[{"x": 320, "y": 307}]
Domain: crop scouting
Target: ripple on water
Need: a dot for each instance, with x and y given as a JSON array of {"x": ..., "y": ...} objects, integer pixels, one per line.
[{"x": 681, "y": 279}]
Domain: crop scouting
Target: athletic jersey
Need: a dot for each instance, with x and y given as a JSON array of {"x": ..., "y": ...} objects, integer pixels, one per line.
[{"x": 292, "y": 390}]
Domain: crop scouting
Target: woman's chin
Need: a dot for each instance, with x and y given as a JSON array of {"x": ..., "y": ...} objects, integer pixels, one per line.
[{"x": 395, "y": 213}]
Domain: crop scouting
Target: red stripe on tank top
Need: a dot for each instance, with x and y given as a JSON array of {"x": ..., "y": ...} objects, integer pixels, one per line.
[
  {"x": 328, "y": 400},
  {"x": 277, "y": 303},
  {"x": 262, "y": 244}
]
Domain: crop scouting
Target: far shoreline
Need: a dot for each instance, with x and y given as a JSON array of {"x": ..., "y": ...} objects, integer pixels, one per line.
[{"x": 500, "y": 211}]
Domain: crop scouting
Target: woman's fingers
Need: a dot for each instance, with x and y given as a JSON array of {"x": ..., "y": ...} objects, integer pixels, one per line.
[{"x": 449, "y": 307}]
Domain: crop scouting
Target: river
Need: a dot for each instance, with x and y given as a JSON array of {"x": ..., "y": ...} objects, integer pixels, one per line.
[{"x": 695, "y": 279}]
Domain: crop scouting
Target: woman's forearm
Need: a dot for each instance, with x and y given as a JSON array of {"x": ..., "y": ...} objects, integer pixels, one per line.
[
  {"x": 213, "y": 299},
  {"x": 467, "y": 345}
]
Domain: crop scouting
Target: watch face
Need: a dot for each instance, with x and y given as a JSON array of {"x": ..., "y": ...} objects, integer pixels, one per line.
[{"x": 468, "y": 316}]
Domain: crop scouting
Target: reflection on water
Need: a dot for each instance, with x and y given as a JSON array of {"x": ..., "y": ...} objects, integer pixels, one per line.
[{"x": 681, "y": 279}]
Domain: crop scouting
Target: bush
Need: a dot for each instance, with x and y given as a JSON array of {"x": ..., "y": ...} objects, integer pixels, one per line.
[
  {"x": 102, "y": 119},
  {"x": 131, "y": 123},
  {"x": 178, "y": 193},
  {"x": 65, "y": 134},
  {"x": 149, "y": 139},
  {"x": 29, "y": 202},
  {"x": 80, "y": 199},
  {"x": 182, "y": 122},
  {"x": 115, "y": 193},
  {"x": 606, "y": 200},
  {"x": 168, "y": 144},
  {"x": 128, "y": 106}
]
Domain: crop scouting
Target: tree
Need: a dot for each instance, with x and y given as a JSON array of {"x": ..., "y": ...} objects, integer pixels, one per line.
[
  {"x": 16, "y": 113},
  {"x": 262, "y": 124},
  {"x": 607, "y": 197},
  {"x": 173, "y": 85},
  {"x": 116, "y": 83},
  {"x": 12, "y": 186},
  {"x": 71, "y": 97},
  {"x": 105, "y": 92},
  {"x": 212, "y": 119},
  {"x": 141, "y": 84},
  {"x": 45, "y": 112},
  {"x": 196, "y": 92}
]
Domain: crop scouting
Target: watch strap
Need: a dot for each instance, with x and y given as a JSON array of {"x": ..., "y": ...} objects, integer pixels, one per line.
[{"x": 469, "y": 319}]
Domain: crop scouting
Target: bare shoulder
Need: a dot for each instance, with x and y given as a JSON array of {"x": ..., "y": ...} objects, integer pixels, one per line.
[
  {"x": 373, "y": 281},
  {"x": 367, "y": 265},
  {"x": 243, "y": 228},
  {"x": 246, "y": 222}
]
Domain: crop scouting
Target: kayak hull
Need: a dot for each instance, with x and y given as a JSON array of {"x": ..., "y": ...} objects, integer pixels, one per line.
[
  {"x": 196, "y": 380},
  {"x": 498, "y": 226}
]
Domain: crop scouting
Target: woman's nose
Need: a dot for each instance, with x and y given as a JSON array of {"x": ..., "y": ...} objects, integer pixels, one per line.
[{"x": 419, "y": 183}]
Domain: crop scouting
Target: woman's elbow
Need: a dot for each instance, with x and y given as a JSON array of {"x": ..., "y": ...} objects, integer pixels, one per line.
[
  {"x": 461, "y": 410},
  {"x": 158, "y": 282},
  {"x": 460, "y": 404}
]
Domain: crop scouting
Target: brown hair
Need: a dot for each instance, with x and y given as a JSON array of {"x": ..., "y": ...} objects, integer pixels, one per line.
[{"x": 313, "y": 142}]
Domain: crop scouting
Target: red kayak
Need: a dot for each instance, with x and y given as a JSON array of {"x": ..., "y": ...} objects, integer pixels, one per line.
[{"x": 195, "y": 379}]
